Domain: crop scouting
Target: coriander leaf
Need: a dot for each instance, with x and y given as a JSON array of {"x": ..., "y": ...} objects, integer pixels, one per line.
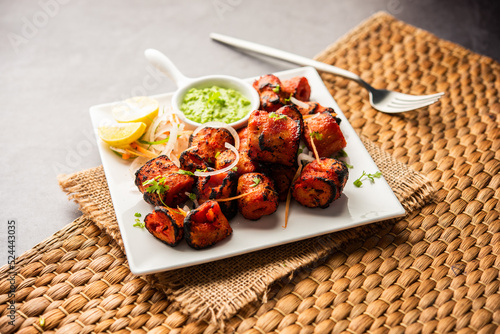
[
  {"x": 192, "y": 196},
  {"x": 217, "y": 154},
  {"x": 341, "y": 154},
  {"x": 256, "y": 181},
  {"x": 235, "y": 169},
  {"x": 276, "y": 89},
  {"x": 138, "y": 223},
  {"x": 184, "y": 172},
  {"x": 276, "y": 116},
  {"x": 316, "y": 135},
  {"x": 137, "y": 214},
  {"x": 358, "y": 183}
]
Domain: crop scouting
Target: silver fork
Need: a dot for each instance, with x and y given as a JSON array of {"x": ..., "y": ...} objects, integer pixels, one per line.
[{"x": 381, "y": 99}]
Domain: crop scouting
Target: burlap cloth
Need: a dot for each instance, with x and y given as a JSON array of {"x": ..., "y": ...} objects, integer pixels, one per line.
[{"x": 436, "y": 270}]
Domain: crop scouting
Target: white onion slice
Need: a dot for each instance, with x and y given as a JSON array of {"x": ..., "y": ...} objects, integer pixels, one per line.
[
  {"x": 220, "y": 125},
  {"x": 171, "y": 141},
  {"x": 306, "y": 157},
  {"x": 225, "y": 169},
  {"x": 299, "y": 103}
]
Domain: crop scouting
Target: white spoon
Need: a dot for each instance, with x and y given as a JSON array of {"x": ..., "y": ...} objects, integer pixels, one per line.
[{"x": 184, "y": 84}]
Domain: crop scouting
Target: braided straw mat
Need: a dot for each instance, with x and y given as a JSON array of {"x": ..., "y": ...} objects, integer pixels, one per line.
[{"x": 436, "y": 270}]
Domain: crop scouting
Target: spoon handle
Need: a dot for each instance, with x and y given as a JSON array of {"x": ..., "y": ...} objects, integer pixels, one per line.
[{"x": 166, "y": 66}]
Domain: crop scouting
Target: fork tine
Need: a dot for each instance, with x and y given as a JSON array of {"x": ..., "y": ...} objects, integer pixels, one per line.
[
  {"x": 406, "y": 97},
  {"x": 397, "y": 109}
]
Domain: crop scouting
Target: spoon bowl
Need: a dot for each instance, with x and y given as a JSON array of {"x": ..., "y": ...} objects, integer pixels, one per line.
[{"x": 184, "y": 84}]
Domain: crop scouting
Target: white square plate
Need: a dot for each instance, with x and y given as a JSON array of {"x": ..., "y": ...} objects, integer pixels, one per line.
[{"x": 357, "y": 206}]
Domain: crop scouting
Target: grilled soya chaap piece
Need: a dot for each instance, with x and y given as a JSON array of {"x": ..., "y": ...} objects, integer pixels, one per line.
[
  {"x": 206, "y": 225},
  {"x": 282, "y": 177},
  {"x": 263, "y": 199},
  {"x": 273, "y": 138},
  {"x": 325, "y": 131},
  {"x": 245, "y": 164},
  {"x": 161, "y": 184},
  {"x": 206, "y": 144},
  {"x": 292, "y": 112},
  {"x": 191, "y": 161},
  {"x": 314, "y": 108},
  {"x": 298, "y": 87},
  {"x": 222, "y": 185},
  {"x": 269, "y": 89},
  {"x": 166, "y": 224},
  {"x": 321, "y": 183}
]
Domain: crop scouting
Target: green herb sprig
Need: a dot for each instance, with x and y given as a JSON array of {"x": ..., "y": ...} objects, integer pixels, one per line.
[
  {"x": 256, "y": 181},
  {"x": 358, "y": 183}
]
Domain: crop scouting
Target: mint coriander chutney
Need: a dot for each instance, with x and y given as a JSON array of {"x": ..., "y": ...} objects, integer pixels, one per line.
[{"x": 215, "y": 104}]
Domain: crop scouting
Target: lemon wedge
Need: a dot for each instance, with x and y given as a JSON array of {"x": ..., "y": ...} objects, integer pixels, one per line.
[
  {"x": 136, "y": 109},
  {"x": 123, "y": 134}
]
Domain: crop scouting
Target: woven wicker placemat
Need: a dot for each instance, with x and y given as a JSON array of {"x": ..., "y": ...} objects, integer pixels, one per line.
[{"x": 435, "y": 271}]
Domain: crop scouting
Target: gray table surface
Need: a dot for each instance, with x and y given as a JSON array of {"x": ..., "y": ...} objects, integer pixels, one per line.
[{"x": 60, "y": 57}]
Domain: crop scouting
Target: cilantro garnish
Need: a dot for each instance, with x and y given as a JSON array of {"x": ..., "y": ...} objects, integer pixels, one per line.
[
  {"x": 192, "y": 196},
  {"x": 139, "y": 224},
  {"x": 341, "y": 154},
  {"x": 202, "y": 170},
  {"x": 137, "y": 214},
  {"x": 184, "y": 172},
  {"x": 347, "y": 165},
  {"x": 215, "y": 98},
  {"x": 289, "y": 98},
  {"x": 217, "y": 154},
  {"x": 276, "y": 116},
  {"x": 235, "y": 169},
  {"x": 256, "y": 181},
  {"x": 358, "y": 183},
  {"x": 316, "y": 135},
  {"x": 157, "y": 186},
  {"x": 276, "y": 89}
]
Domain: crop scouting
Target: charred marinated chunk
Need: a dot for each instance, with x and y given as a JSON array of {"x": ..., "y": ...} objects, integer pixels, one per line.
[
  {"x": 267, "y": 82},
  {"x": 297, "y": 87},
  {"x": 270, "y": 101},
  {"x": 191, "y": 160},
  {"x": 222, "y": 185},
  {"x": 269, "y": 89},
  {"x": 206, "y": 225},
  {"x": 273, "y": 138},
  {"x": 166, "y": 224},
  {"x": 263, "y": 199},
  {"x": 282, "y": 177},
  {"x": 209, "y": 141},
  {"x": 244, "y": 164},
  {"x": 161, "y": 184},
  {"x": 325, "y": 131},
  {"x": 320, "y": 184},
  {"x": 293, "y": 113},
  {"x": 314, "y": 108}
]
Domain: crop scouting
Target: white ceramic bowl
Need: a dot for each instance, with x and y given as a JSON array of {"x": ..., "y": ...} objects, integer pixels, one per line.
[{"x": 184, "y": 84}]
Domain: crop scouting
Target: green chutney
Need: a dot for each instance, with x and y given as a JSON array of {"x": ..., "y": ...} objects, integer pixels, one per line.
[{"x": 215, "y": 104}]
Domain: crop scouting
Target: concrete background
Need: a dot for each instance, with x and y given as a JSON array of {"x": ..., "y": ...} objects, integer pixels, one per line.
[{"x": 59, "y": 57}]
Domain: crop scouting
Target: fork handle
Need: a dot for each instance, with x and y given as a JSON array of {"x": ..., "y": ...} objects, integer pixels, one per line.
[{"x": 283, "y": 55}]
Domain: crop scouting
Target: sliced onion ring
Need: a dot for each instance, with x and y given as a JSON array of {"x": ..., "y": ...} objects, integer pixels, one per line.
[
  {"x": 299, "y": 103},
  {"x": 225, "y": 169},
  {"x": 221, "y": 125},
  {"x": 306, "y": 157}
]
